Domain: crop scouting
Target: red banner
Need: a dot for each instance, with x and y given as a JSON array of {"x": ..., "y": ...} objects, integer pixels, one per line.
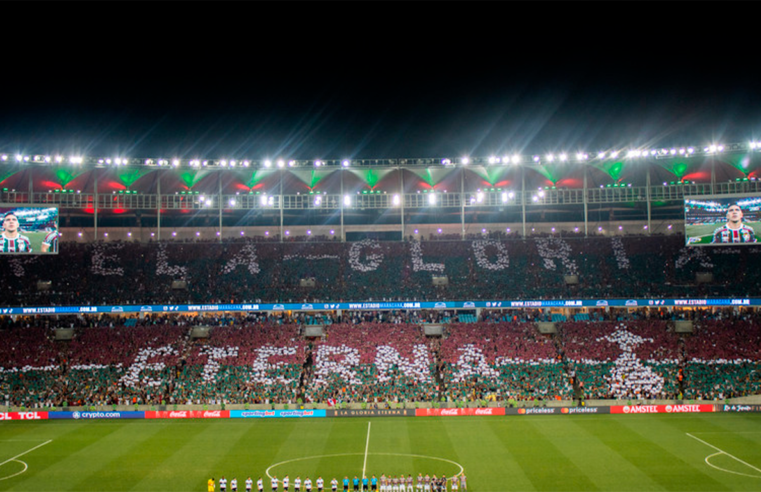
[
  {"x": 446, "y": 412},
  {"x": 635, "y": 409},
  {"x": 23, "y": 415},
  {"x": 188, "y": 414}
]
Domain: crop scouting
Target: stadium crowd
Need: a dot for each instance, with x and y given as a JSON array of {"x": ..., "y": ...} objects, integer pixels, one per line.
[
  {"x": 376, "y": 358},
  {"x": 250, "y": 271}
]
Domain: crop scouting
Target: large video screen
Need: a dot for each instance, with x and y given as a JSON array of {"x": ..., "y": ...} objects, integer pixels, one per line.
[
  {"x": 29, "y": 230},
  {"x": 722, "y": 220}
]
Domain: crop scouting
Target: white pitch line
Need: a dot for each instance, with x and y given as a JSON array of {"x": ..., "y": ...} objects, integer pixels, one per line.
[
  {"x": 367, "y": 447},
  {"x": 26, "y": 452},
  {"x": 721, "y": 451}
]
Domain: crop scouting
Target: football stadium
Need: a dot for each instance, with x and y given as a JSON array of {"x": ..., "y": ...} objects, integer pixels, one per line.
[{"x": 525, "y": 322}]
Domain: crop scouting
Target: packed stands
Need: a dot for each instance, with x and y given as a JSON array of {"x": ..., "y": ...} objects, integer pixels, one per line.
[
  {"x": 135, "y": 273},
  {"x": 371, "y": 362},
  {"x": 510, "y": 361},
  {"x": 379, "y": 356}
]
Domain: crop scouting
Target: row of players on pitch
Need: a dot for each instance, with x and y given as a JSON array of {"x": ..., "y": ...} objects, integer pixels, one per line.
[{"x": 387, "y": 484}]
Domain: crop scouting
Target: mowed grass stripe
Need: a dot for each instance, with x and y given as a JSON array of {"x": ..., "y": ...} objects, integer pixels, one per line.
[
  {"x": 344, "y": 440},
  {"x": 137, "y": 450},
  {"x": 392, "y": 441},
  {"x": 308, "y": 442},
  {"x": 199, "y": 447},
  {"x": 642, "y": 441},
  {"x": 546, "y": 466},
  {"x": 490, "y": 458},
  {"x": 602, "y": 465},
  {"x": 430, "y": 442}
]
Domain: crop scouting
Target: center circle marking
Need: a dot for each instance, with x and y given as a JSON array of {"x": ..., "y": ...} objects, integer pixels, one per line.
[{"x": 267, "y": 472}]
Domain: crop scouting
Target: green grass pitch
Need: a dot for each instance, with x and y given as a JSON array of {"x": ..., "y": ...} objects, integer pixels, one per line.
[{"x": 685, "y": 452}]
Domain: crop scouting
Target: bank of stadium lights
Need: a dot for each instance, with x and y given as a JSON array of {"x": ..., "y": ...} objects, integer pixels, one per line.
[{"x": 632, "y": 153}]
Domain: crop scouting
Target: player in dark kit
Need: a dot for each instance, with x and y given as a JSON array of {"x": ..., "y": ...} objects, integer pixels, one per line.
[{"x": 734, "y": 231}]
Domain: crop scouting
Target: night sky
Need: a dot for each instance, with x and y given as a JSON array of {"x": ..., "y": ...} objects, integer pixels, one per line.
[{"x": 434, "y": 101}]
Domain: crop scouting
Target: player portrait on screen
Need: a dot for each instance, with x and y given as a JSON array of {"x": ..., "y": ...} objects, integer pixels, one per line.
[
  {"x": 12, "y": 239},
  {"x": 734, "y": 230}
]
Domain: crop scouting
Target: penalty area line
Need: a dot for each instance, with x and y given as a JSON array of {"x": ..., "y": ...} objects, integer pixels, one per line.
[
  {"x": 26, "y": 452},
  {"x": 15, "y": 458},
  {"x": 721, "y": 451}
]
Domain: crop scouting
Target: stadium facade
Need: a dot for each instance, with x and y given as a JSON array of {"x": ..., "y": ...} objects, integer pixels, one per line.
[{"x": 629, "y": 192}]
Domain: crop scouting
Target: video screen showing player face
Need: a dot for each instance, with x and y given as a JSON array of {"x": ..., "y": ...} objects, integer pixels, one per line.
[
  {"x": 29, "y": 230},
  {"x": 722, "y": 221}
]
